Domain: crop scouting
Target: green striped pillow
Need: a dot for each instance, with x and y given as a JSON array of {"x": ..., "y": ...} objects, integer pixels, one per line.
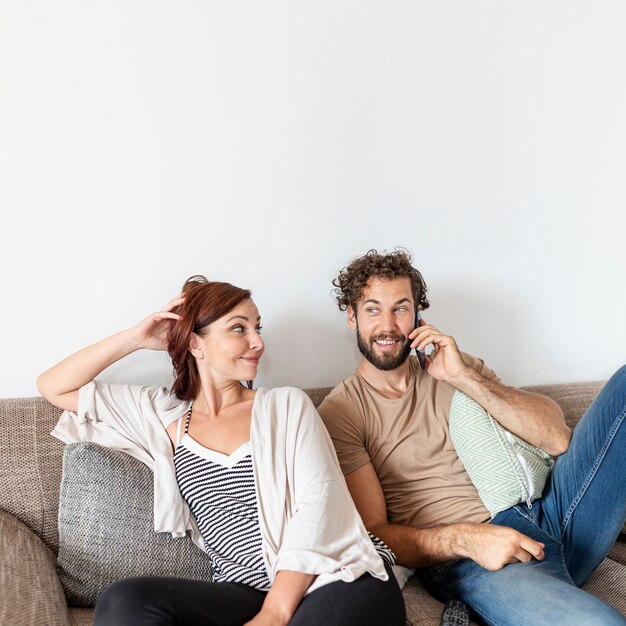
[{"x": 504, "y": 469}]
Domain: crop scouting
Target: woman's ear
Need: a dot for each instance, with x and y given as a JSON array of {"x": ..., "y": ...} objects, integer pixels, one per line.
[{"x": 195, "y": 346}]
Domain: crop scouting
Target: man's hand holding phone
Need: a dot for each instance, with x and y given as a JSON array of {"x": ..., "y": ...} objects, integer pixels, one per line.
[{"x": 445, "y": 361}]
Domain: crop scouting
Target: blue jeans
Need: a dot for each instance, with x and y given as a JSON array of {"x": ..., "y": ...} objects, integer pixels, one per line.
[{"x": 578, "y": 519}]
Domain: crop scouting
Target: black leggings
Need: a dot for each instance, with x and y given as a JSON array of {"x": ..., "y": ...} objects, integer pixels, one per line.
[{"x": 151, "y": 600}]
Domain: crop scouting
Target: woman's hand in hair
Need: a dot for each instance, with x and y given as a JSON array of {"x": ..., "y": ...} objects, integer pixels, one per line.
[
  {"x": 152, "y": 333},
  {"x": 60, "y": 384}
]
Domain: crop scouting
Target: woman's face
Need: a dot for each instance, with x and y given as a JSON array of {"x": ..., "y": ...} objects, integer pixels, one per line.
[{"x": 230, "y": 348}]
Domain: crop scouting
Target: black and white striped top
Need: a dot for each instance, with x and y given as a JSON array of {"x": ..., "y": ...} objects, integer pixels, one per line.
[{"x": 219, "y": 490}]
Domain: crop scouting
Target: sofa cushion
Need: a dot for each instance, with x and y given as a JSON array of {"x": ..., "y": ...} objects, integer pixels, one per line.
[
  {"x": 81, "y": 616},
  {"x": 504, "y": 469},
  {"x": 30, "y": 465},
  {"x": 30, "y": 591},
  {"x": 618, "y": 551},
  {"x": 106, "y": 527},
  {"x": 608, "y": 581}
]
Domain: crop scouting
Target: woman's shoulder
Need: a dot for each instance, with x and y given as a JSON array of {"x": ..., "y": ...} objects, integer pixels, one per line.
[{"x": 167, "y": 405}]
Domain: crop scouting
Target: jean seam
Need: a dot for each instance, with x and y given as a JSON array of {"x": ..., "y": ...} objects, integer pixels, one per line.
[
  {"x": 534, "y": 522},
  {"x": 564, "y": 564},
  {"x": 592, "y": 472}
]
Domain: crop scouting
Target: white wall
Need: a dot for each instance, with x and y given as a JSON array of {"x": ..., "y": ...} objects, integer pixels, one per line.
[{"x": 268, "y": 143}]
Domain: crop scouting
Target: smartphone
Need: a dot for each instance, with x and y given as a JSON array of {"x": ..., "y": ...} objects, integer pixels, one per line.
[{"x": 421, "y": 355}]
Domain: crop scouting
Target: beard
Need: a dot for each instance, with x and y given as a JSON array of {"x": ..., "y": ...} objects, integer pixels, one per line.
[{"x": 384, "y": 362}]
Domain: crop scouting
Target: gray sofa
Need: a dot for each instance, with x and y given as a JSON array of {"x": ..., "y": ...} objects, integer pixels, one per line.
[{"x": 31, "y": 590}]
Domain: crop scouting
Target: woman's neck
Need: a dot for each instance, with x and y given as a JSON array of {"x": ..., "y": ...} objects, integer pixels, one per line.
[{"x": 213, "y": 398}]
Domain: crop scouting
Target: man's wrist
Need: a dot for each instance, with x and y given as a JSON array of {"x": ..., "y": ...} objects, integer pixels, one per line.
[
  {"x": 440, "y": 544},
  {"x": 458, "y": 540},
  {"x": 463, "y": 379}
]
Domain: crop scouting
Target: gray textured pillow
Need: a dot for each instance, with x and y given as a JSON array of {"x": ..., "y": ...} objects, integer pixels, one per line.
[{"x": 106, "y": 528}]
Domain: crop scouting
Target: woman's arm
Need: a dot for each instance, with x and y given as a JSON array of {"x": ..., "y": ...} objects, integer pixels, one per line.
[
  {"x": 60, "y": 384},
  {"x": 283, "y": 598}
]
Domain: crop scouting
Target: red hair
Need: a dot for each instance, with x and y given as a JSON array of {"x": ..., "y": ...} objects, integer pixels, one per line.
[{"x": 204, "y": 303}]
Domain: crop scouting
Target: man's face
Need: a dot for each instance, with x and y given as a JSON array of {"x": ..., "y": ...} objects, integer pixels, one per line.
[{"x": 383, "y": 319}]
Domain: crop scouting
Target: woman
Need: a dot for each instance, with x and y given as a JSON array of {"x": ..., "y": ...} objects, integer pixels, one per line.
[{"x": 256, "y": 469}]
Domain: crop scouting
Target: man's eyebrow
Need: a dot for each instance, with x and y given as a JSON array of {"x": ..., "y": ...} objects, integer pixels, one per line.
[{"x": 372, "y": 301}]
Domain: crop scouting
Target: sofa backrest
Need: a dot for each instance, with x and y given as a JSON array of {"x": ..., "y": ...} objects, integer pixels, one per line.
[
  {"x": 30, "y": 465},
  {"x": 31, "y": 460}
]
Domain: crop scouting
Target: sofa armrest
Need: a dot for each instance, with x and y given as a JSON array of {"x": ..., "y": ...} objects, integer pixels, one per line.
[{"x": 30, "y": 589}]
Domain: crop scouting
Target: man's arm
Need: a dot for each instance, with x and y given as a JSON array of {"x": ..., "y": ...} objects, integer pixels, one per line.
[
  {"x": 534, "y": 418},
  {"x": 490, "y": 546}
]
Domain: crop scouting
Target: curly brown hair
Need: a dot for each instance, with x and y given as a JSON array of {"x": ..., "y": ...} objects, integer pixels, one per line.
[{"x": 353, "y": 279}]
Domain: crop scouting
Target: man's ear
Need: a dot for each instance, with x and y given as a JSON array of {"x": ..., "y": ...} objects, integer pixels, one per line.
[
  {"x": 195, "y": 347},
  {"x": 351, "y": 318}
]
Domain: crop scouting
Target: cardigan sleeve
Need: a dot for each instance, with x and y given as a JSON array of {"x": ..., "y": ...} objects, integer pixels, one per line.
[
  {"x": 121, "y": 417},
  {"x": 133, "y": 419},
  {"x": 323, "y": 533}
]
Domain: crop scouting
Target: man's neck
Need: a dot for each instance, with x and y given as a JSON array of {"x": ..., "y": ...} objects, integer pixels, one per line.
[{"x": 391, "y": 383}]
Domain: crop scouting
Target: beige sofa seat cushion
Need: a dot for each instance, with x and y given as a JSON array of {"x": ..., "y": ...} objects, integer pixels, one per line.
[
  {"x": 30, "y": 590},
  {"x": 618, "y": 551},
  {"x": 81, "y": 617},
  {"x": 608, "y": 581}
]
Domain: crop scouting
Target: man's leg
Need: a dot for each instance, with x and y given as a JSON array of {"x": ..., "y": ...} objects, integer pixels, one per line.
[
  {"x": 540, "y": 593},
  {"x": 522, "y": 594},
  {"x": 578, "y": 519},
  {"x": 153, "y": 601},
  {"x": 584, "y": 503}
]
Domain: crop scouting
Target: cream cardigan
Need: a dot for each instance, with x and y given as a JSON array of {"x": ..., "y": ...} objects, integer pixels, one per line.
[{"x": 307, "y": 518}]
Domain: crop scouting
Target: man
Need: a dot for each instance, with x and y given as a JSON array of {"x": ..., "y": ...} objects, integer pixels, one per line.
[{"x": 389, "y": 424}]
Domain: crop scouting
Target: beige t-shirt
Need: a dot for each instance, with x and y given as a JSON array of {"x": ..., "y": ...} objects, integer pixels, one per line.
[{"x": 408, "y": 442}]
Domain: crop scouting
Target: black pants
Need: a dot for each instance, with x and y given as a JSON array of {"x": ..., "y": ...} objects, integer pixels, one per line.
[{"x": 152, "y": 600}]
